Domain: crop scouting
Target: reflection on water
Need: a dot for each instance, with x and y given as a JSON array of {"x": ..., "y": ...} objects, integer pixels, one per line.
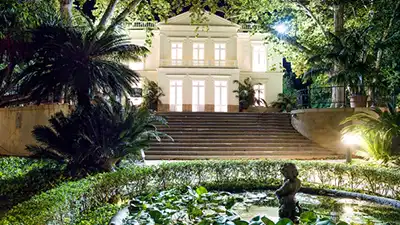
[{"x": 345, "y": 209}]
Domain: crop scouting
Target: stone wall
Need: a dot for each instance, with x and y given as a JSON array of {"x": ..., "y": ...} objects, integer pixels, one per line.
[
  {"x": 323, "y": 125},
  {"x": 16, "y": 125}
]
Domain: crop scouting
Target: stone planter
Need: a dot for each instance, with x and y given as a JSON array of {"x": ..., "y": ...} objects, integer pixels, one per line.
[
  {"x": 153, "y": 106},
  {"x": 357, "y": 101}
]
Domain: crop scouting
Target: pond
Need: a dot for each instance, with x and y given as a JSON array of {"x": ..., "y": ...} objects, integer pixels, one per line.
[
  {"x": 344, "y": 209},
  {"x": 198, "y": 206}
]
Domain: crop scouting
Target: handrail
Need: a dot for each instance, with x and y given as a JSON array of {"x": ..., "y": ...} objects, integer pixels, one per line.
[{"x": 143, "y": 24}]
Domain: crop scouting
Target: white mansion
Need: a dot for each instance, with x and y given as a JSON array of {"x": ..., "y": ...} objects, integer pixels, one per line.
[{"x": 196, "y": 67}]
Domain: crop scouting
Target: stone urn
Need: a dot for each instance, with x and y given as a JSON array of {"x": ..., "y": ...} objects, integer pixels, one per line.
[{"x": 357, "y": 100}]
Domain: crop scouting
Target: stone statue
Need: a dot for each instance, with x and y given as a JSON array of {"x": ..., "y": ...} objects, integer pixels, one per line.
[{"x": 288, "y": 206}]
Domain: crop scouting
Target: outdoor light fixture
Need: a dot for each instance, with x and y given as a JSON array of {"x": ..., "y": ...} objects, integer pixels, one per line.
[
  {"x": 350, "y": 140},
  {"x": 281, "y": 28}
]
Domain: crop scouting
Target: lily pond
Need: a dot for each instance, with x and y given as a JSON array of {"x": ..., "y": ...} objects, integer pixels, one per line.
[{"x": 198, "y": 206}]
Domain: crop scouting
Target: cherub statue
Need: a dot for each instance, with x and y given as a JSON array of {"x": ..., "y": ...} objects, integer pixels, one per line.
[{"x": 288, "y": 206}]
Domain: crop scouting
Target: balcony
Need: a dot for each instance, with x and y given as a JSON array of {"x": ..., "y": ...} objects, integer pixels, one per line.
[
  {"x": 141, "y": 25},
  {"x": 199, "y": 63},
  {"x": 248, "y": 27}
]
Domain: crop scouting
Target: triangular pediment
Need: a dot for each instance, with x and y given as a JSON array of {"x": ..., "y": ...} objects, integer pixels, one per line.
[{"x": 211, "y": 20}]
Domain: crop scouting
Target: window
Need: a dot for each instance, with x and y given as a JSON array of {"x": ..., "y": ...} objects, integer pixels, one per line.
[
  {"x": 176, "y": 53},
  {"x": 136, "y": 65},
  {"x": 198, "y": 54},
  {"x": 136, "y": 98},
  {"x": 259, "y": 58},
  {"x": 260, "y": 93},
  {"x": 198, "y": 96},
  {"x": 175, "y": 96},
  {"x": 220, "y": 54},
  {"x": 221, "y": 96}
]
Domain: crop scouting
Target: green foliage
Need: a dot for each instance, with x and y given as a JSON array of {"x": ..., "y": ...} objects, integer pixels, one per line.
[
  {"x": 285, "y": 102},
  {"x": 152, "y": 94},
  {"x": 247, "y": 94},
  {"x": 98, "y": 216},
  {"x": 200, "y": 207},
  {"x": 95, "y": 138},
  {"x": 75, "y": 64},
  {"x": 347, "y": 59},
  {"x": 21, "y": 178},
  {"x": 377, "y": 128},
  {"x": 64, "y": 204}
]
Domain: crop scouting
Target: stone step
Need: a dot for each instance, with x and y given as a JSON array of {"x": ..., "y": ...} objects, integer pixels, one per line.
[
  {"x": 232, "y": 144},
  {"x": 238, "y": 157},
  {"x": 228, "y": 117},
  {"x": 235, "y": 132},
  {"x": 178, "y": 139},
  {"x": 234, "y": 148},
  {"x": 227, "y": 129},
  {"x": 223, "y": 122},
  {"x": 203, "y": 135},
  {"x": 227, "y": 125},
  {"x": 286, "y": 135},
  {"x": 223, "y": 114},
  {"x": 212, "y": 119},
  {"x": 235, "y": 152}
]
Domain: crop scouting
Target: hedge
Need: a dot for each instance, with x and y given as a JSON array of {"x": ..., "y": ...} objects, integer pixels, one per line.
[
  {"x": 65, "y": 204},
  {"x": 22, "y": 178}
]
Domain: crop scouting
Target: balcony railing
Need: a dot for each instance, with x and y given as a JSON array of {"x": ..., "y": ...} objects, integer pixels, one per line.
[
  {"x": 198, "y": 63},
  {"x": 151, "y": 24},
  {"x": 321, "y": 97},
  {"x": 249, "y": 27},
  {"x": 137, "y": 25}
]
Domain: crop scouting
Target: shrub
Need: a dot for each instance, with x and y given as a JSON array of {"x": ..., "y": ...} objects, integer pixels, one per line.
[
  {"x": 95, "y": 138},
  {"x": 21, "y": 178},
  {"x": 247, "y": 94},
  {"x": 152, "y": 94},
  {"x": 66, "y": 203},
  {"x": 377, "y": 129},
  {"x": 99, "y": 216}
]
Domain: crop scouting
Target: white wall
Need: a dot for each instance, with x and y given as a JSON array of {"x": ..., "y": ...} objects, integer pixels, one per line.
[{"x": 238, "y": 47}]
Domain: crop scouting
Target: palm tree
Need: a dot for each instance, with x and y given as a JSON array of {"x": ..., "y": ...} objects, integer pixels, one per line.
[
  {"x": 247, "y": 94},
  {"x": 152, "y": 94},
  {"x": 95, "y": 138},
  {"x": 349, "y": 62},
  {"x": 79, "y": 64}
]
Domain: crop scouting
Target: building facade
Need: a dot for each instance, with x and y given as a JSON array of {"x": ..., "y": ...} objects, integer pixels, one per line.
[{"x": 196, "y": 65}]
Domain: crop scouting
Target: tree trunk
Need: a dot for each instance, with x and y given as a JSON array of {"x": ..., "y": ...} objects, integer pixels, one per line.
[
  {"x": 121, "y": 17},
  {"x": 66, "y": 9},
  {"x": 107, "y": 14},
  {"x": 338, "y": 92}
]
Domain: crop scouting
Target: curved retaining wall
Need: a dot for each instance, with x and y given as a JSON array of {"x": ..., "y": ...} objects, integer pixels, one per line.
[
  {"x": 323, "y": 125},
  {"x": 16, "y": 125}
]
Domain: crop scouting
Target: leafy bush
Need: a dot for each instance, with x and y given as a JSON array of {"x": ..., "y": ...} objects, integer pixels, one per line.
[
  {"x": 99, "y": 216},
  {"x": 285, "y": 102},
  {"x": 198, "y": 206},
  {"x": 247, "y": 94},
  {"x": 95, "y": 138},
  {"x": 22, "y": 178},
  {"x": 152, "y": 94},
  {"x": 377, "y": 128},
  {"x": 66, "y": 203}
]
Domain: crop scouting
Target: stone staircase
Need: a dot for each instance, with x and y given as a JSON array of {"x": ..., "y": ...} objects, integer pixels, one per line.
[{"x": 233, "y": 136}]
